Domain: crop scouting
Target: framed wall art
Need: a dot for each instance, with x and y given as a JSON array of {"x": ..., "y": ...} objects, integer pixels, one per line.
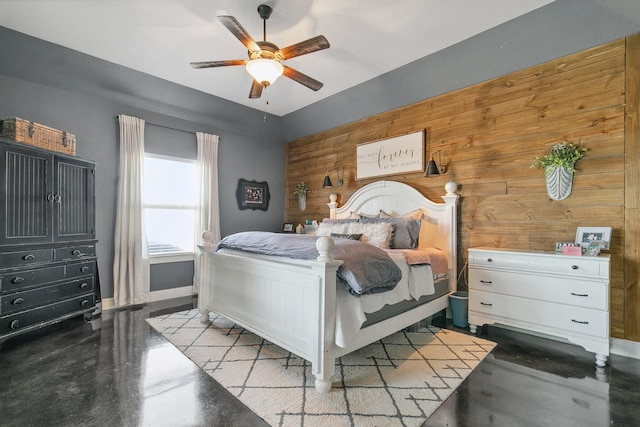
[
  {"x": 400, "y": 154},
  {"x": 252, "y": 195},
  {"x": 585, "y": 235}
]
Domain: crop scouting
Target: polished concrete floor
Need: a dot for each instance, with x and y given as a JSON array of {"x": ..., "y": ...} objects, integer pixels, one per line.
[{"x": 117, "y": 371}]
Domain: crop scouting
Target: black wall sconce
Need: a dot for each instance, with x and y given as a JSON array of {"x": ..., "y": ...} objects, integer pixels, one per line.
[
  {"x": 327, "y": 181},
  {"x": 432, "y": 168}
]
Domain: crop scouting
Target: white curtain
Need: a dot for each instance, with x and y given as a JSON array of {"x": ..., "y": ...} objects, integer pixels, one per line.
[
  {"x": 208, "y": 212},
  {"x": 131, "y": 257}
]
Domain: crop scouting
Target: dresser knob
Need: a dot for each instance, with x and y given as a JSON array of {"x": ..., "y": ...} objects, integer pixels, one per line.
[
  {"x": 85, "y": 303},
  {"x": 17, "y": 280},
  {"x": 84, "y": 269},
  {"x": 29, "y": 257},
  {"x": 76, "y": 253},
  {"x": 489, "y": 259},
  {"x": 84, "y": 285},
  {"x": 15, "y": 324},
  {"x": 574, "y": 267},
  {"x": 486, "y": 304},
  {"x": 17, "y": 301}
]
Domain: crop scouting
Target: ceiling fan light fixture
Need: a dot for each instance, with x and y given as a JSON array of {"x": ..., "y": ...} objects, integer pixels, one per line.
[{"x": 264, "y": 71}]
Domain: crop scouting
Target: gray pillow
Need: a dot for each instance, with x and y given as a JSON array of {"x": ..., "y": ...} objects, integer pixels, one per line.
[
  {"x": 347, "y": 236},
  {"x": 405, "y": 231}
]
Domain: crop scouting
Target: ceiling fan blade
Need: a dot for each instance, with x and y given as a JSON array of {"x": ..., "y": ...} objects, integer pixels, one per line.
[
  {"x": 303, "y": 79},
  {"x": 256, "y": 90},
  {"x": 238, "y": 30},
  {"x": 211, "y": 64},
  {"x": 312, "y": 45}
]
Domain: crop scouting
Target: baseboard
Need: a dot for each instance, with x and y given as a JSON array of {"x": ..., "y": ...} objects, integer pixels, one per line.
[
  {"x": 625, "y": 348},
  {"x": 164, "y": 294}
]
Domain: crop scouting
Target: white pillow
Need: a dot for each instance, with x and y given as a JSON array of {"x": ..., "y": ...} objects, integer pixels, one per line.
[
  {"x": 375, "y": 234},
  {"x": 326, "y": 228}
]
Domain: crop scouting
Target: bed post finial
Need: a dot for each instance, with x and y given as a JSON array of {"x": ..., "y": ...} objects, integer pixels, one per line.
[
  {"x": 333, "y": 205},
  {"x": 325, "y": 246},
  {"x": 451, "y": 188}
]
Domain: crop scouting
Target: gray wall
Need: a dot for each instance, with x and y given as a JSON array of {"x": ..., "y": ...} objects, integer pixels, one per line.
[
  {"x": 560, "y": 28},
  {"x": 66, "y": 90}
]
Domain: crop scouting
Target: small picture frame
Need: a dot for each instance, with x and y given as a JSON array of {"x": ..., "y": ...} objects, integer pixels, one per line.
[
  {"x": 593, "y": 248},
  {"x": 287, "y": 227},
  {"x": 585, "y": 235}
]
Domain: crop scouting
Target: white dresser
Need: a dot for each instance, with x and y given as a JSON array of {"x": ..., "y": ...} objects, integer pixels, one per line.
[{"x": 559, "y": 295}]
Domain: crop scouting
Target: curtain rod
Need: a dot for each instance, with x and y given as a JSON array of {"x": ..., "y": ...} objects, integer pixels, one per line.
[{"x": 168, "y": 127}]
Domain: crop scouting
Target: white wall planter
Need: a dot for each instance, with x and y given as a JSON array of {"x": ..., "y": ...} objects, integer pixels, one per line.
[
  {"x": 559, "y": 182},
  {"x": 302, "y": 203}
]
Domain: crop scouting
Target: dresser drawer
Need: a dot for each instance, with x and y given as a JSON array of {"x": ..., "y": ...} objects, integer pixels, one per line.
[
  {"x": 17, "y": 322},
  {"x": 550, "y": 263},
  {"x": 24, "y": 300},
  {"x": 74, "y": 252},
  {"x": 563, "y": 290},
  {"x": 539, "y": 315},
  {"x": 26, "y": 258},
  {"x": 16, "y": 280}
]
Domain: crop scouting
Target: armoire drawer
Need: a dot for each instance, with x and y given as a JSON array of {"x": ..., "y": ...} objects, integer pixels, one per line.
[
  {"x": 17, "y": 322},
  {"x": 24, "y": 300},
  {"x": 74, "y": 252},
  {"x": 83, "y": 268},
  {"x": 12, "y": 281},
  {"x": 549, "y": 263},
  {"x": 521, "y": 311},
  {"x": 577, "y": 292},
  {"x": 25, "y": 257}
]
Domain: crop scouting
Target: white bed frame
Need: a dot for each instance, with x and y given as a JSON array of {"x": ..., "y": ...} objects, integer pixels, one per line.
[{"x": 293, "y": 305}]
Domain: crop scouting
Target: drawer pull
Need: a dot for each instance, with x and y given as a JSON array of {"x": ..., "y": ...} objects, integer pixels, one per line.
[
  {"x": 85, "y": 303},
  {"x": 29, "y": 257},
  {"x": 76, "y": 253},
  {"x": 486, "y": 282},
  {"x": 17, "y": 280},
  {"x": 84, "y": 269},
  {"x": 582, "y": 322},
  {"x": 84, "y": 285},
  {"x": 15, "y": 324},
  {"x": 17, "y": 301},
  {"x": 574, "y": 267},
  {"x": 486, "y": 304},
  {"x": 579, "y": 295},
  {"x": 489, "y": 259}
]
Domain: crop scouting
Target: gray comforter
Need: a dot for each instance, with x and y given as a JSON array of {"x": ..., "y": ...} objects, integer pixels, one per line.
[{"x": 365, "y": 268}]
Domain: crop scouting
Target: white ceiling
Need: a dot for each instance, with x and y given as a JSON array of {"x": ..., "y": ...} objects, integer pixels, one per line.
[{"x": 161, "y": 37}]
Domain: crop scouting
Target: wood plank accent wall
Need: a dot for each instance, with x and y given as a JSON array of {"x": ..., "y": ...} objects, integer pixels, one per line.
[{"x": 489, "y": 135}]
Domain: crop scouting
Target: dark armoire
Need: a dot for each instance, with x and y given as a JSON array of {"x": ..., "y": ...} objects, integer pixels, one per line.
[{"x": 48, "y": 269}]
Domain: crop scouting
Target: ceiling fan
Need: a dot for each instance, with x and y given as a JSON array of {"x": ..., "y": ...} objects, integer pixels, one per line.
[{"x": 264, "y": 63}]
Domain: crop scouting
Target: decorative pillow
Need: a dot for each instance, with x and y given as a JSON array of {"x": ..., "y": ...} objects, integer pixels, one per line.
[
  {"x": 347, "y": 236},
  {"x": 376, "y": 234},
  {"x": 339, "y": 221},
  {"x": 417, "y": 214},
  {"x": 405, "y": 231},
  {"x": 364, "y": 215},
  {"x": 428, "y": 230},
  {"x": 325, "y": 228}
]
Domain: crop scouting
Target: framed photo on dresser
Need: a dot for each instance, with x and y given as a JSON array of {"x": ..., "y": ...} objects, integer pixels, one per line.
[{"x": 586, "y": 235}]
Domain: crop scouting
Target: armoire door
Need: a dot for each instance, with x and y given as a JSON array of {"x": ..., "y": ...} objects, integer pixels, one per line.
[
  {"x": 26, "y": 197},
  {"x": 74, "y": 199}
]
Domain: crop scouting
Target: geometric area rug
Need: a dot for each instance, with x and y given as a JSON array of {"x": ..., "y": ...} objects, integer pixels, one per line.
[{"x": 398, "y": 381}]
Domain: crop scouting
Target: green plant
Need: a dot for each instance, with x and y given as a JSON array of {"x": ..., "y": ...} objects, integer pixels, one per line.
[
  {"x": 562, "y": 155},
  {"x": 301, "y": 190}
]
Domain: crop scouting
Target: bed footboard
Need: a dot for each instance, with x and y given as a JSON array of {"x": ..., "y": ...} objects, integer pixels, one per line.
[{"x": 291, "y": 304}]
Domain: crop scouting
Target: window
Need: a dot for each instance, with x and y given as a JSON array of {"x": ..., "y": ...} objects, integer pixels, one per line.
[{"x": 170, "y": 197}]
